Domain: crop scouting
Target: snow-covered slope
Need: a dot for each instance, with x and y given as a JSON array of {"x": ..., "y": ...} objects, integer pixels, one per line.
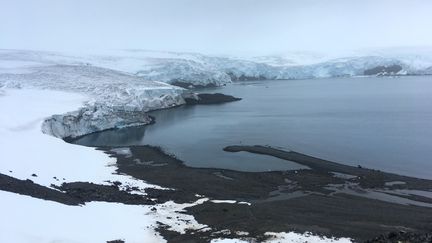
[{"x": 116, "y": 89}]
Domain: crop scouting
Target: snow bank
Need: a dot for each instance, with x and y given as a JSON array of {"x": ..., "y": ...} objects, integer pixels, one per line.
[{"x": 34, "y": 220}]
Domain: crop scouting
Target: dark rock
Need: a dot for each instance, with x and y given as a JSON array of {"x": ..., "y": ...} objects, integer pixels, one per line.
[
  {"x": 206, "y": 99},
  {"x": 28, "y": 187},
  {"x": 243, "y": 77},
  {"x": 117, "y": 183},
  {"x": 116, "y": 241},
  {"x": 383, "y": 70},
  {"x": 88, "y": 192},
  {"x": 190, "y": 85}
]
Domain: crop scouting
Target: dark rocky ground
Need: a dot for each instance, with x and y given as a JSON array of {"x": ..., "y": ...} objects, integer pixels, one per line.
[
  {"x": 402, "y": 237},
  {"x": 357, "y": 202},
  {"x": 383, "y": 70},
  {"x": 74, "y": 193}
]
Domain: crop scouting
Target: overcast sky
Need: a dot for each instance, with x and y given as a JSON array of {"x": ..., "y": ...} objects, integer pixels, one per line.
[{"x": 215, "y": 26}]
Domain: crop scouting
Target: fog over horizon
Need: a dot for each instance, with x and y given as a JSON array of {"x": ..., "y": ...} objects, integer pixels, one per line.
[{"x": 228, "y": 27}]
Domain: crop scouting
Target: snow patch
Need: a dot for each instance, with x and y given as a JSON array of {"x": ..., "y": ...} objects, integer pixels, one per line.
[
  {"x": 123, "y": 151},
  {"x": 220, "y": 240},
  {"x": 292, "y": 237},
  {"x": 165, "y": 213}
]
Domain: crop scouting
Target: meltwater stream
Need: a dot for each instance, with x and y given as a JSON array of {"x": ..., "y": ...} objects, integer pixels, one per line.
[{"x": 382, "y": 123}]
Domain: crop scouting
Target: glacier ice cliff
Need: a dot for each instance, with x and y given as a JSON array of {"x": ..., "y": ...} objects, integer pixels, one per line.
[{"x": 92, "y": 119}]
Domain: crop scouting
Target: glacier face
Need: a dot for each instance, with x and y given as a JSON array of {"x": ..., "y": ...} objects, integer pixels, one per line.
[
  {"x": 185, "y": 71},
  {"x": 90, "y": 119},
  {"x": 199, "y": 69}
]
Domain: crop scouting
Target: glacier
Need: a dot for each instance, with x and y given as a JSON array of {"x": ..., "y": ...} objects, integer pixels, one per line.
[
  {"x": 122, "y": 85},
  {"x": 196, "y": 70},
  {"x": 115, "y": 99}
]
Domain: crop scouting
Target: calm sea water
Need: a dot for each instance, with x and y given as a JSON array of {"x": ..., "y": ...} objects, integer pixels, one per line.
[{"x": 381, "y": 123}]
